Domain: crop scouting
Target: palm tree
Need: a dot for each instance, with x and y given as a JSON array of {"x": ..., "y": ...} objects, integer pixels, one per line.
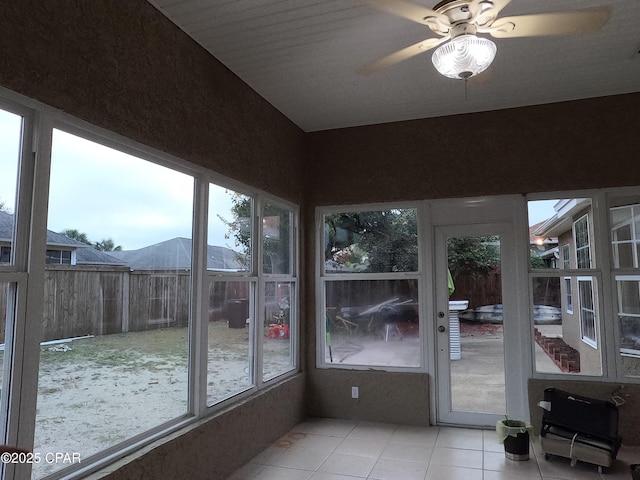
[
  {"x": 107, "y": 245},
  {"x": 76, "y": 235}
]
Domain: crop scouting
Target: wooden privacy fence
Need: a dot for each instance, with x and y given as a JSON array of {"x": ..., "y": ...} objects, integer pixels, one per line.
[
  {"x": 487, "y": 290},
  {"x": 96, "y": 300},
  {"x": 478, "y": 289}
]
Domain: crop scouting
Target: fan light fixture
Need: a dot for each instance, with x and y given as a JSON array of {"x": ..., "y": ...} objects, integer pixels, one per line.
[{"x": 463, "y": 57}]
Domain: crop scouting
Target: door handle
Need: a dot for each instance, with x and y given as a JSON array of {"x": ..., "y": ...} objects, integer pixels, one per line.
[{"x": 442, "y": 329}]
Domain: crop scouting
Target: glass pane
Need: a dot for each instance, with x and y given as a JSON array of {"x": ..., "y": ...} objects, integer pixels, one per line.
[
  {"x": 629, "y": 314},
  {"x": 229, "y": 232},
  {"x": 372, "y": 322},
  {"x": 563, "y": 313},
  {"x": 230, "y": 362},
  {"x": 114, "y": 357},
  {"x": 375, "y": 241},
  {"x": 10, "y": 142},
  {"x": 623, "y": 255},
  {"x": 476, "y": 340},
  {"x": 277, "y": 346},
  {"x": 7, "y": 294},
  {"x": 560, "y": 222},
  {"x": 625, "y": 235},
  {"x": 583, "y": 242},
  {"x": 276, "y": 239}
]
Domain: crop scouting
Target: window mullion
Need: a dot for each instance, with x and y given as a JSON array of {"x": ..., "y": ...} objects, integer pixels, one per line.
[
  {"x": 34, "y": 193},
  {"x": 607, "y": 309},
  {"x": 198, "y": 331}
]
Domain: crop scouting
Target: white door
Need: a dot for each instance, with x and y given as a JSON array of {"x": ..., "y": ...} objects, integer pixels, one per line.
[{"x": 479, "y": 358}]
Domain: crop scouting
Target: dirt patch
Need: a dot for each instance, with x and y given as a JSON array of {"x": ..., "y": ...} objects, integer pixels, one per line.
[
  {"x": 94, "y": 393},
  {"x": 477, "y": 329}
]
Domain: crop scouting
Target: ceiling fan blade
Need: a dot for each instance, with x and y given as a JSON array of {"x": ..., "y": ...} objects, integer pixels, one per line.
[
  {"x": 408, "y": 10},
  {"x": 560, "y": 23},
  {"x": 498, "y": 5},
  {"x": 483, "y": 12},
  {"x": 401, "y": 55}
]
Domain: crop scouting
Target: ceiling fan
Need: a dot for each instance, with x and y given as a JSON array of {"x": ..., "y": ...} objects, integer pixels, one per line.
[{"x": 461, "y": 53}]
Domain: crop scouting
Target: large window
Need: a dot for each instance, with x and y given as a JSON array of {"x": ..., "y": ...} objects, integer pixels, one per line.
[
  {"x": 565, "y": 313},
  {"x": 136, "y": 319},
  {"x": 232, "y": 285},
  {"x": 278, "y": 290},
  {"x": 370, "y": 286},
  {"x": 115, "y": 327},
  {"x": 624, "y": 218},
  {"x": 12, "y": 267}
]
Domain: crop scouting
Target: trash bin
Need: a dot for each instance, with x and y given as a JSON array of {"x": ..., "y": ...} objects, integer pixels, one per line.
[
  {"x": 514, "y": 434},
  {"x": 237, "y": 312},
  {"x": 635, "y": 471}
]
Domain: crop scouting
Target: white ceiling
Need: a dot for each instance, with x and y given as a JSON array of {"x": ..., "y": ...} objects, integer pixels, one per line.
[{"x": 302, "y": 56}]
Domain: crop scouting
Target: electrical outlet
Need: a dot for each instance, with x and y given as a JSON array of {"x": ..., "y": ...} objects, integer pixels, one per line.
[{"x": 355, "y": 392}]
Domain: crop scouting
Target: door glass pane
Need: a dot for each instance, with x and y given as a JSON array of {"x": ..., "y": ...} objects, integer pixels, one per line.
[
  {"x": 229, "y": 232},
  {"x": 372, "y": 322},
  {"x": 276, "y": 239},
  {"x": 10, "y": 141},
  {"x": 371, "y": 242},
  {"x": 230, "y": 364},
  {"x": 476, "y": 348},
  {"x": 277, "y": 346},
  {"x": 114, "y": 352}
]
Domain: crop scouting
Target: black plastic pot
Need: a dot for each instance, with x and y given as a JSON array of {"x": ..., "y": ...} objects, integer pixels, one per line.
[{"x": 516, "y": 444}]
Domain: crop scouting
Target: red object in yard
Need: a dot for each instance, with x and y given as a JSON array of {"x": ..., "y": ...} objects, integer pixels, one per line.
[{"x": 278, "y": 331}]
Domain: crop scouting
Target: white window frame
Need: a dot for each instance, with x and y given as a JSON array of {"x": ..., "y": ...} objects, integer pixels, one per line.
[
  {"x": 568, "y": 295},
  {"x": 21, "y": 373},
  {"x": 586, "y": 247},
  {"x": 585, "y": 311},
  {"x": 635, "y": 236},
  {"x": 323, "y": 278},
  {"x": 566, "y": 256},
  {"x": 630, "y": 278}
]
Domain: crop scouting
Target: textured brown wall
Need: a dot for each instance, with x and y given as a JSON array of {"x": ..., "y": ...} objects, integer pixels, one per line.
[
  {"x": 123, "y": 66},
  {"x": 582, "y": 144},
  {"x": 401, "y": 398},
  {"x": 213, "y": 450}
]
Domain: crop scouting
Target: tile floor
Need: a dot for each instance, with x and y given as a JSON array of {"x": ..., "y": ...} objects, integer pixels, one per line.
[{"x": 326, "y": 449}]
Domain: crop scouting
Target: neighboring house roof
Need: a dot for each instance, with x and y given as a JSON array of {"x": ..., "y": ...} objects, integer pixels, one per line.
[
  {"x": 540, "y": 240},
  {"x": 88, "y": 255},
  {"x": 53, "y": 238},
  {"x": 175, "y": 254},
  {"x": 85, "y": 254},
  {"x": 562, "y": 221}
]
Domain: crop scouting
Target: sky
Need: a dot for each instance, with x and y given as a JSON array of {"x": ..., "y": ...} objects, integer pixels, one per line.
[
  {"x": 540, "y": 210},
  {"x": 108, "y": 194}
]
